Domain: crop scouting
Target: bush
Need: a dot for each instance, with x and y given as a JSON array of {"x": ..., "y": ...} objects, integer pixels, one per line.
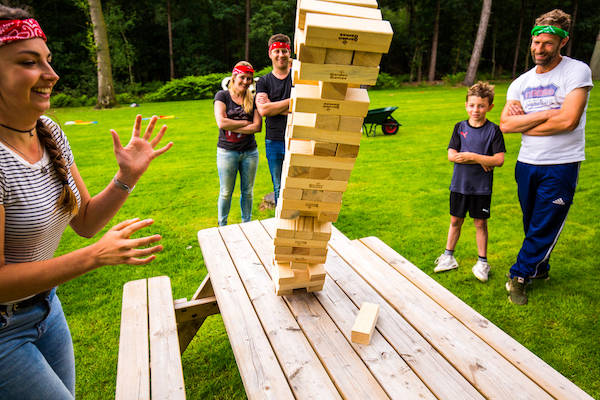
[
  {"x": 388, "y": 81},
  {"x": 64, "y": 100},
  {"x": 454, "y": 79},
  {"x": 188, "y": 88},
  {"x": 127, "y": 98}
]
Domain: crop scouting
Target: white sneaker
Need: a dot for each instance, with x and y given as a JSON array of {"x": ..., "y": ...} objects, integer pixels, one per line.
[
  {"x": 481, "y": 269},
  {"x": 445, "y": 262}
]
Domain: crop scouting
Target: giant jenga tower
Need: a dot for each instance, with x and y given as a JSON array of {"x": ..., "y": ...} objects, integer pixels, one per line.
[{"x": 338, "y": 45}]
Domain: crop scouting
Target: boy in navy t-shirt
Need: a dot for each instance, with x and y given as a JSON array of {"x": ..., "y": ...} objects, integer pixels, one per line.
[{"x": 476, "y": 147}]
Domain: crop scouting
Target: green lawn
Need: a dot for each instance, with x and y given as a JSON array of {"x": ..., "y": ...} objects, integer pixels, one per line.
[{"x": 398, "y": 191}]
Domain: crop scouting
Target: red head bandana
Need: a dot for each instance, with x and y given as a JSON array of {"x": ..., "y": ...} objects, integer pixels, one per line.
[
  {"x": 243, "y": 69},
  {"x": 19, "y": 29},
  {"x": 279, "y": 45}
]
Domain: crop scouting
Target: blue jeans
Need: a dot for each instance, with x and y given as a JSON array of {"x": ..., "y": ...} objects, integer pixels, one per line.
[
  {"x": 36, "y": 353},
  {"x": 229, "y": 162},
  {"x": 275, "y": 150}
]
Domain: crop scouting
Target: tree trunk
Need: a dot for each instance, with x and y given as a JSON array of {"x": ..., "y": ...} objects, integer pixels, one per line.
[
  {"x": 106, "y": 89},
  {"x": 486, "y": 10},
  {"x": 595, "y": 61},
  {"x": 494, "y": 24},
  {"x": 170, "y": 29},
  {"x": 434, "y": 43},
  {"x": 247, "y": 50},
  {"x": 572, "y": 27},
  {"x": 518, "y": 45}
]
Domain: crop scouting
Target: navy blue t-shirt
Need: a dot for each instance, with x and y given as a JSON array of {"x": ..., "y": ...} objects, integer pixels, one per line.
[
  {"x": 486, "y": 140},
  {"x": 277, "y": 90},
  {"x": 231, "y": 140}
]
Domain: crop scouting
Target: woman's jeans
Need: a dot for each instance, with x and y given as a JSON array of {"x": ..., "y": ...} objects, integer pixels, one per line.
[
  {"x": 275, "y": 150},
  {"x": 36, "y": 353},
  {"x": 229, "y": 162}
]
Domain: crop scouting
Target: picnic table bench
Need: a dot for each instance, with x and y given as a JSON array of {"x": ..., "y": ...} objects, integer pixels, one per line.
[{"x": 427, "y": 343}]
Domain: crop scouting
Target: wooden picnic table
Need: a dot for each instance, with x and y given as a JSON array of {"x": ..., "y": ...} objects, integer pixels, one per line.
[{"x": 427, "y": 344}]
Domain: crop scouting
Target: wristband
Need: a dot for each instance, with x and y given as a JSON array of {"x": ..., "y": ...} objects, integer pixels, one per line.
[{"x": 123, "y": 186}]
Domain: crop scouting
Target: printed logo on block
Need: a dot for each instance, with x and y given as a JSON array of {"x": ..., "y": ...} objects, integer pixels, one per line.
[{"x": 345, "y": 37}]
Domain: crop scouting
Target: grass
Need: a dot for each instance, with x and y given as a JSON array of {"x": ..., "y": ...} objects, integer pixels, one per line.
[{"x": 398, "y": 191}]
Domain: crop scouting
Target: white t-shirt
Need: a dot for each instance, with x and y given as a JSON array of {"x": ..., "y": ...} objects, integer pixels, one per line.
[{"x": 540, "y": 92}]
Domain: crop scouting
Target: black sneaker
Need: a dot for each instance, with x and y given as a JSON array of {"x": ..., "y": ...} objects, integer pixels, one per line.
[
  {"x": 516, "y": 290},
  {"x": 543, "y": 276}
]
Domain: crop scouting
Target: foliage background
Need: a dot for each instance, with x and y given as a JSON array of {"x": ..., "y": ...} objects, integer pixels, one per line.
[{"x": 208, "y": 37}]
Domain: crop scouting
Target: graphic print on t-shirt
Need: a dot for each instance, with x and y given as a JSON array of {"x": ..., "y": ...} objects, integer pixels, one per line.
[
  {"x": 540, "y": 98},
  {"x": 233, "y": 137}
]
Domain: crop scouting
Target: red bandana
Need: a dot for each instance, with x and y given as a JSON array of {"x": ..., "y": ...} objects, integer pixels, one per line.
[
  {"x": 243, "y": 69},
  {"x": 279, "y": 45},
  {"x": 19, "y": 29}
]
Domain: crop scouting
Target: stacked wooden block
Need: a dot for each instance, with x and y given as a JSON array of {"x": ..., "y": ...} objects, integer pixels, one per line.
[{"x": 338, "y": 45}]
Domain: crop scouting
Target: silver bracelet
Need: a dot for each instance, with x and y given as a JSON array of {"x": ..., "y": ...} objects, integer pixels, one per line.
[{"x": 122, "y": 185}]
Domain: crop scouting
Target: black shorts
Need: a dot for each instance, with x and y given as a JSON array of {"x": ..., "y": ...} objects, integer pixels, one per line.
[{"x": 478, "y": 205}]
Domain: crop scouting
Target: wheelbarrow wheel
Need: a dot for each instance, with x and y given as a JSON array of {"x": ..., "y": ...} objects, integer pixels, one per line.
[{"x": 390, "y": 126}]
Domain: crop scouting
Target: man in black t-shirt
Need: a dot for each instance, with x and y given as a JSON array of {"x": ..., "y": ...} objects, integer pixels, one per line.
[{"x": 273, "y": 102}]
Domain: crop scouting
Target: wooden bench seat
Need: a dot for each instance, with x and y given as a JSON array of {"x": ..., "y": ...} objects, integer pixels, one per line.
[{"x": 155, "y": 330}]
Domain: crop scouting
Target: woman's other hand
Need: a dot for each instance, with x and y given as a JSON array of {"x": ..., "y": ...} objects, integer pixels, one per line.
[
  {"x": 135, "y": 158},
  {"x": 117, "y": 246}
]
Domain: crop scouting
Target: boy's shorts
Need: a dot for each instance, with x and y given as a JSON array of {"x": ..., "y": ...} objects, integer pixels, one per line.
[{"x": 478, "y": 205}]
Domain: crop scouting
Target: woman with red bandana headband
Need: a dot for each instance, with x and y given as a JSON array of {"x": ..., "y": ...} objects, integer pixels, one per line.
[
  {"x": 273, "y": 101},
  {"x": 238, "y": 120},
  {"x": 41, "y": 192}
]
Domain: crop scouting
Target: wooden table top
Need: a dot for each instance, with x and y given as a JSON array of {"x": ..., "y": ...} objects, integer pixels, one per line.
[{"x": 427, "y": 343}]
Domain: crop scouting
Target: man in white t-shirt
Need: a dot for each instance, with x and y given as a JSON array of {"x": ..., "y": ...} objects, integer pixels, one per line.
[{"x": 547, "y": 105}]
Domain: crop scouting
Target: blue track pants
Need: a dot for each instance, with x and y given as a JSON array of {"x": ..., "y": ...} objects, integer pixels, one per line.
[{"x": 546, "y": 194}]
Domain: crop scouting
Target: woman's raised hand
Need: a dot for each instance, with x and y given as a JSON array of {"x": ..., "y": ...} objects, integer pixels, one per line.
[
  {"x": 116, "y": 246},
  {"x": 135, "y": 158}
]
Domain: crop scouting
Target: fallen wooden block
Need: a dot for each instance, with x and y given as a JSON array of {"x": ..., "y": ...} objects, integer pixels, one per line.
[
  {"x": 364, "y": 325},
  {"x": 332, "y": 31},
  {"x": 307, "y": 99},
  {"x": 329, "y": 8}
]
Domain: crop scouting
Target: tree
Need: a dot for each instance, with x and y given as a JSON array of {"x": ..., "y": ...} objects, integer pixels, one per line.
[
  {"x": 486, "y": 10},
  {"x": 106, "y": 89},
  {"x": 170, "y": 31},
  {"x": 572, "y": 27},
  {"x": 595, "y": 61},
  {"x": 247, "y": 41},
  {"x": 519, "y": 34},
  {"x": 434, "y": 43}
]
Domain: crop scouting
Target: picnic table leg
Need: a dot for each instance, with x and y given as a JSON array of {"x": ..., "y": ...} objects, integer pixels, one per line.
[{"x": 190, "y": 315}]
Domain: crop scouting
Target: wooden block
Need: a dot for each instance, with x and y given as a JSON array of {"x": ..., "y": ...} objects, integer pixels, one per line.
[
  {"x": 330, "y": 174},
  {"x": 284, "y": 228},
  {"x": 307, "y": 99},
  {"x": 332, "y": 31},
  {"x": 350, "y": 124},
  {"x": 339, "y": 56},
  {"x": 302, "y": 132},
  {"x": 308, "y": 72},
  {"x": 309, "y": 54},
  {"x": 283, "y": 273},
  {"x": 326, "y": 122},
  {"x": 329, "y": 8},
  {"x": 322, "y": 230},
  {"x": 331, "y": 90},
  {"x": 283, "y": 250},
  {"x": 362, "y": 3},
  {"x": 292, "y": 193},
  {"x": 327, "y": 217},
  {"x": 300, "y": 155},
  {"x": 347, "y": 150},
  {"x": 364, "y": 325},
  {"x": 314, "y": 206},
  {"x": 317, "y": 184},
  {"x": 321, "y": 195},
  {"x": 316, "y": 288},
  {"x": 297, "y": 268},
  {"x": 316, "y": 272},
  {"x": 279, "y": 291},
  {"x": 304, "y": 251},
  {"x": 301, "y": 258},
  {"x": 295, "y": 242},
  {"x": 296, "y": 80},
  {"x": 285, "y": 214},
  {"x": 366, "y": 59},
  {"x": 323, "y": 148},
  {"x": 302, "y": 285}
]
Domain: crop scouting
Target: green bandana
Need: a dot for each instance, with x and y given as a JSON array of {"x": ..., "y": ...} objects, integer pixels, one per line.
[{"x": 549, "y": 29}]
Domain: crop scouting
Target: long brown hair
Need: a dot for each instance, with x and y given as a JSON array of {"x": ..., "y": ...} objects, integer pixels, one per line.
[
  {"x": 248, "y": 97},
  {"x": 67, "y": 200}
]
